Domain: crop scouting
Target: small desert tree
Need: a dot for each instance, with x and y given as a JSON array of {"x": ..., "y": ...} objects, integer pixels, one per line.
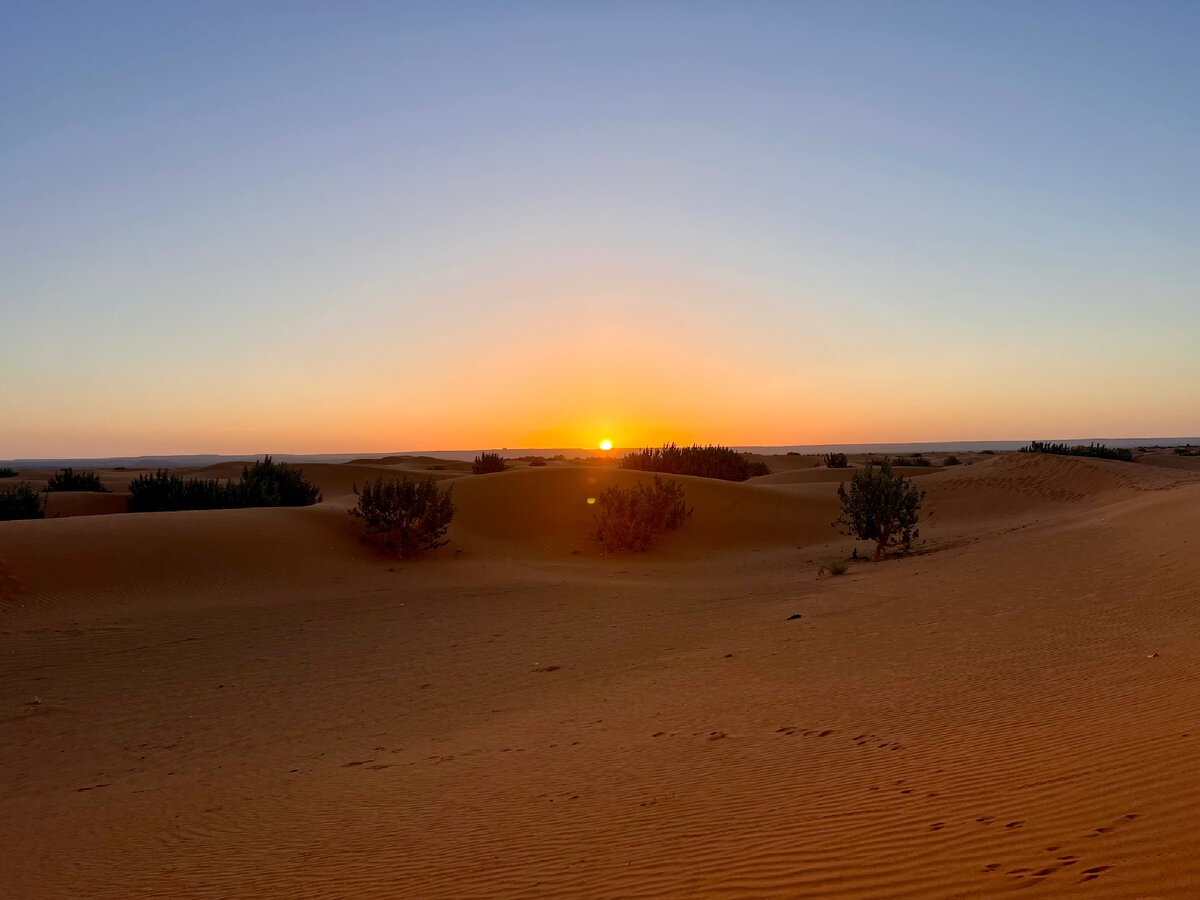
[
  {"x": 488, "y": 462},
  {"x": 881, "y": 507},
  {"x": 836, "y": 461},
  {"x": 628, "y": 519},
  {"x": 411, "y": 515}
]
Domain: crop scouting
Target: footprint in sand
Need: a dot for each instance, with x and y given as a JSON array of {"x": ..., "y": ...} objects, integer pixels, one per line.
[{"x": 1016, "y": 824}]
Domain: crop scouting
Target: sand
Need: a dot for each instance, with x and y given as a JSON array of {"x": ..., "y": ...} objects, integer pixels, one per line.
[{"x": 256, "y": 703}]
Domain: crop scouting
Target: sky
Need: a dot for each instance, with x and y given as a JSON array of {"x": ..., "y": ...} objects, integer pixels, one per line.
[{"x": 317, "y": 227}]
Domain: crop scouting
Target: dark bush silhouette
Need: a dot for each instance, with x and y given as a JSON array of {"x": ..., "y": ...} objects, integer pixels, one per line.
[
  {"x": 486, "y": 463},
  {"x": 951, "y": 461},
  {"x": 915, "y": 460},
  {"x": 1094, "y": 450},
  {"x": 537, "y": 461},
  {"x": 705, "y": 462},
  {"x": 987, "y": 452},
  {"x": 1179, "y": 451},
  {"x": 266, "y": 483},
  {"x": 880, "y": 506},
  {"x": 6, "y": 472},
  {"x": 411, "y": 515},
  {"x": 836, "y": 460},
  {"x": 628, "y": 519},
  {"x": 165, "y": 491},
  {"x": 20, "y": 501},
  {"x": 70, "y": 480}
]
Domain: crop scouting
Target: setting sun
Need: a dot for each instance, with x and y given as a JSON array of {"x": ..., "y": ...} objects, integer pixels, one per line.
[{"x": 606, "y": 445}]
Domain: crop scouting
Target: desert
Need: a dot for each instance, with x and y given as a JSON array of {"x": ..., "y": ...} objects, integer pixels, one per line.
[
  {"x": 257, "y": 702},
  {"x": 574, "y": 450}
]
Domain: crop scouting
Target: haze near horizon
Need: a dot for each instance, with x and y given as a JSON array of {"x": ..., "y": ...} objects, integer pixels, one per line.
[{"x": 313, "y": 228}]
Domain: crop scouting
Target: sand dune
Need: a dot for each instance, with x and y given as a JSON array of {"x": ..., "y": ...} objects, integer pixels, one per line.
[{"x": 256, "y": 703}]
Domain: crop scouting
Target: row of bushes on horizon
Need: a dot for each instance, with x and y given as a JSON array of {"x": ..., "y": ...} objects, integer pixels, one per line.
[
  {"x": 705, "y": 462},
  {"x": 266, "y": 483},
  {"x": 70, "y": 480},
  {"x": 915, "y": 460},
  {"x": 6, "y": 472},
  {"x": 1094, "y": 450}
]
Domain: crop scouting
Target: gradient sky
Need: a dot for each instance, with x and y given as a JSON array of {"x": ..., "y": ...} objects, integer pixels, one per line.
[{"x": 318, "y": 227}]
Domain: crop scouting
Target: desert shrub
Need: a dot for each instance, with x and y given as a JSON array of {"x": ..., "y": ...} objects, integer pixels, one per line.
[
  {"x": 411, "y": 515},
  {"x": 6, "y": 472},
  {"x": 705, "y": 462},
  {"x": 70, "y": 480},
  {"x": 537, "y": 461},
  {"x": 20, "y": 501},
  {"x": 488, "y": 462},
  {"x": 1179, "y": 451},
  {"x": 835, "y": 567},
  {"x": 266, "y": 483},
  {"x": 164, "y": 491},
  {"x": 628, "y": 519},
  {"x": 1094, "y": 450},
  {"x": 951, "y": 461},
  {"x": 880, "y": 506},
  {"x": 987, "y": 452},
  {"x": 915, "y": 460},
  {"x": 836, "y": 460}
]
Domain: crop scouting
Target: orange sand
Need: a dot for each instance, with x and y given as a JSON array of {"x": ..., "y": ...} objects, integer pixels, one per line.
[{"x": 254, "y": 702}]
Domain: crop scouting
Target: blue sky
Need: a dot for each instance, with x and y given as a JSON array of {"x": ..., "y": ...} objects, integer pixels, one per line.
[{"x": 317, "y": 227}]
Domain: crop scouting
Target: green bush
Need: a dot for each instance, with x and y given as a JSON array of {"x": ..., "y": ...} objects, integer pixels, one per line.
[
  {"x": 705, "y": 462},
  {"x": 20, "y": 501},
  {"x": 951, "y": 461},
  {"x": 628, "y": 519},
  {"x": 70, "y": 480},
  {"x": 1094, "y": 450},
  {"x": 411, "y": 515},
  {"x": 836, "y": 461},
  {"x": 266, "y": 483},
  {"x": 6, "y": 472},
  {"x": 486, "y": 463},
  {"x": 881, "y": 507}
]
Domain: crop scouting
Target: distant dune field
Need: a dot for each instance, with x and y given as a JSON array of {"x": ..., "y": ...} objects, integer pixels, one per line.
[{"x": 255, "y": 702}]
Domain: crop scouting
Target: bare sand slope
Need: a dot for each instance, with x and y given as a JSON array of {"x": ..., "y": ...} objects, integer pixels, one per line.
[{"x": 258, "y": 705}]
